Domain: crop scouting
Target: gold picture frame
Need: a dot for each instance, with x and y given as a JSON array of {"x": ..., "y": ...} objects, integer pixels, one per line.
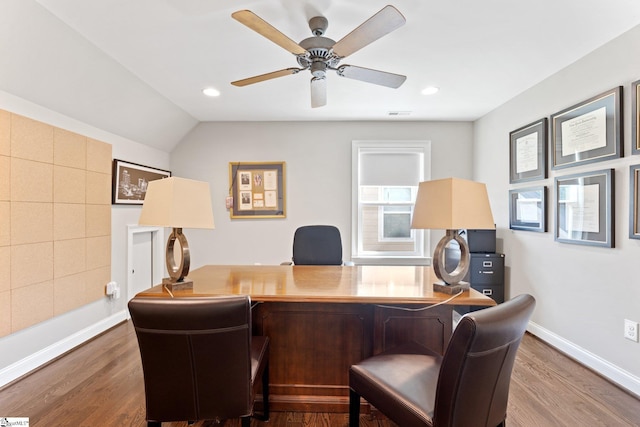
[{"x": 257, "y": 190}]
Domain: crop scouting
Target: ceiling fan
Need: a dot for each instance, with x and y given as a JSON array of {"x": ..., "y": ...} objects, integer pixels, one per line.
[{"x": 319, "y": 54}]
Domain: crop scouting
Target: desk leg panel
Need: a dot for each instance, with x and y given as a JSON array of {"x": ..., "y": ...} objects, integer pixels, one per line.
[
  {"x": 394, "y": 326},
  {"x": 312, "y": 347}
]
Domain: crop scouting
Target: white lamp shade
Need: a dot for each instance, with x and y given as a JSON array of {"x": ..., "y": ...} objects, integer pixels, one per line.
[
  {"x": 451, "y": 204},
  {"x": 178, "y": 203}
]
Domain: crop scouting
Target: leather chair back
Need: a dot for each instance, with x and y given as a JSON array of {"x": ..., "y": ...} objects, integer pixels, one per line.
[
  {"x": 195, "y": 356},
  {"x": 473, "y": 384},
  {"x": 317, "y": 245}
]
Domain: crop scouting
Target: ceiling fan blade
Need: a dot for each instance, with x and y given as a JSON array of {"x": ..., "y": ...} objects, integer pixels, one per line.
[
  {"x": 318, "y": 92},
  {"x": 267, "y": 76},
  {"x": 380, "y": 24},
  {"x": 368, "y": 75},
  {"x": 262, "y": 27}
]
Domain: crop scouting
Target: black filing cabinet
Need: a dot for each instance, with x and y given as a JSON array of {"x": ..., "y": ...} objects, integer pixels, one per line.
[{"x": 486, "y": 275}]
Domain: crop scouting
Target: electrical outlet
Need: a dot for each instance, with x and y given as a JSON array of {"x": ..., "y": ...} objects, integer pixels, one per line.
[
  {"x": 631, "y": 330},
  {"x": 111, "y": 287}
]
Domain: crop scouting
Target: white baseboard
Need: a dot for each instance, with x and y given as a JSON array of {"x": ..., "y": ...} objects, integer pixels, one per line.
[
  {"x": 34, "y": 361},
  {"x": 613, "y": 373}
]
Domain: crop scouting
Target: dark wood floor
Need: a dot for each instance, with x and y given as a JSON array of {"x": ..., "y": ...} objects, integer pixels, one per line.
[{"x": 100, "y": 384}]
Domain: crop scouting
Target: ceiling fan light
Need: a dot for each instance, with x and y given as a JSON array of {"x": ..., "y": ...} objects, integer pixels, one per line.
[
  {"x": 430, "y": 90},
  {"x": 210, "y": 91}
]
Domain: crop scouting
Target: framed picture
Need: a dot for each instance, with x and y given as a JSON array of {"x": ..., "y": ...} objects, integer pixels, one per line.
[
  {"x": 130, "y": 181},
  {"x": 588, "y": 132},
  {"x": 634, "y": 201},
  {"x": 528, "y": 152},
  {"x": 257, "y": 190},
  {"x": 528, "y": 209},
  {"x": 585, "y": 208},
  {"x": 635, "y": 129}
]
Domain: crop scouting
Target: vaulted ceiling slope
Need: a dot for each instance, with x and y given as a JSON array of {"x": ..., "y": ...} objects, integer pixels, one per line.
[{"x": 137, "y": 68}]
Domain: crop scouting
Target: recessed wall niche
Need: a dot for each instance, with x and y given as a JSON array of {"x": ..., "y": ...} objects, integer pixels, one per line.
[{"x": 55, "y": 221}]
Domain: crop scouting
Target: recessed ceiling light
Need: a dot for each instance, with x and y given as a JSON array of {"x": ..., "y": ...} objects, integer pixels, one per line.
[
  {"x": 430, "y": 90},
  {"x": 209, "y": 91}
]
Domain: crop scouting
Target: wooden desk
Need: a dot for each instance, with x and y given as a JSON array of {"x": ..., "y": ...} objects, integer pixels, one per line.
[{"x": 323, "y": 319}]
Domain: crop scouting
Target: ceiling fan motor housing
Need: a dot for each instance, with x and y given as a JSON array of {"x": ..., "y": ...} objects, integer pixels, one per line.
[{"x": 320, "y": 57}]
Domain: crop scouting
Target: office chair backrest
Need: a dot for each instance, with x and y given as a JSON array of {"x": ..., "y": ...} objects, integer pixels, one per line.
[
  {"x": 317, "y": 245},
  {"x": 473, "y": 384},
  {"x": 195, "y": 356}
]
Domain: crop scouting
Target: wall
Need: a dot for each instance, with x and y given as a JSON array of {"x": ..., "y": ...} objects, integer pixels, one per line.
[
  {"x": 318, "y": 182},
  {"x": 28, "y": 348},
  {"x": 55, "y": 221},
  {"x": 584, "y": 293}
]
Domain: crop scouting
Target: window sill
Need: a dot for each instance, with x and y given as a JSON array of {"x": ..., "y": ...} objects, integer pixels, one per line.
[{"x": 391, "y": 260}]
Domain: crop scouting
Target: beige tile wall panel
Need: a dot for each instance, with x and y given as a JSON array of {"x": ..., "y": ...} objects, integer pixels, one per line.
[
  {"x": 5, "y": 223},
  {"x": 31, "y": 304},
  {"x": 31, "y": 181},
  {"x": 31, "y": 264},
  {"x": 55, "y": 221},
  {"x": 68, "y": 293},
  {"x": 95, "y": 283},
  {"x": 69, "y": 221},
  {"x": 69, "y": 149},
  {"x": 5, "y": 268},
  {"x": 98, "y": 252},
  {"x": 69, "y": 185},
  {"x": 98, "y": 188},
  {"x": 5, "y": 313},
  {"x": 98, "y": 156},
  {"x": 5, "y": 178},
  {"x": 31, "y": 139},
  {"x": 31, "y": 222},
  {"x": 69, "y": 257},
  {"x": 98, "y": 220},
  {"x": 5, "y": 133}
]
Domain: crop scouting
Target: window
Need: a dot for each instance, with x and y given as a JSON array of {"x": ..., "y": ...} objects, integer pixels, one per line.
[{"x": 385, "y": 181}]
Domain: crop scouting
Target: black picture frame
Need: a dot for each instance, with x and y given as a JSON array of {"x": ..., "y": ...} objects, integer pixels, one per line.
[
  {"x": 634, "y": 201},
  {"x": 635, "y": 120},
  {"x": 528, "y": 152},
  {"x": 130, "y": 180},
  {"x": 585, "y": 208},
  {"x": 588, "y": 132},
  {"x": 528, "y": 209},
  {"x": 257, "y": 190}
]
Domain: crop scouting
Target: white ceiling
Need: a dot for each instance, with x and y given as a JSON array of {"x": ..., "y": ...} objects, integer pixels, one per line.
[{"x": 160, "y": 54}]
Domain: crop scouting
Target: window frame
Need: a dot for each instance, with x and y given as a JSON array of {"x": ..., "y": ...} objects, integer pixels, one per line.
[{"x": 422, "y": 254}]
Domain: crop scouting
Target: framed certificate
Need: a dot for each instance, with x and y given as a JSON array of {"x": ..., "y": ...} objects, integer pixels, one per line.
[
  {"x": 585, "y": 208},
  {"x": 590, "y": 131},
  {"x": 634, "y": 202},
  {"x": 635, "y": 129},
  {"x": 528, "y": 152},
  {"x": 257, "y": 190},
  {"x": 528, "y": 209}
]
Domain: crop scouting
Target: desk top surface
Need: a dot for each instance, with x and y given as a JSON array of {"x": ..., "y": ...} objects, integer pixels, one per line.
[{"x": 331, "y": 284}]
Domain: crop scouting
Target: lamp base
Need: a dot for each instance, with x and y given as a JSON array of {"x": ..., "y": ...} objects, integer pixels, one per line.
[
  {"x": 446, "y": 288},
  {"x": 172, "y": 285}
]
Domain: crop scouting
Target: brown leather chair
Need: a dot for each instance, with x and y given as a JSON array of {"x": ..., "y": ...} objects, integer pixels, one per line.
[
  {"x": 467, "y": 387},
  {"x": 199, "y": 359}
]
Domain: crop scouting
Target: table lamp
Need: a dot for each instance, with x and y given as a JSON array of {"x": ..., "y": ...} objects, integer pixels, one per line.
[
  {"x": 177, "y": 203},
  {"x": 452, "y": 204}
]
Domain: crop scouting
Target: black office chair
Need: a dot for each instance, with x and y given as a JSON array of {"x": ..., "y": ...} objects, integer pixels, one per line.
[
  {"x": 199, "y": 359},
  {"x": 317, "y": 245},
  {"x": 467, "y": 387}
]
